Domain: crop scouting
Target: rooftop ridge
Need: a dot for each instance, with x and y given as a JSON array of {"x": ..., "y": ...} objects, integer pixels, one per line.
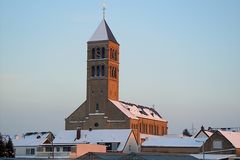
[{"x": 142, "y": 107}]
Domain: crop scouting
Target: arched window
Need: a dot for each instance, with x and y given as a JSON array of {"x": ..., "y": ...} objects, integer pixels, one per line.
[
  {"x": 103, "y": 70},
  {"x": 113, "y": 52},
  {"x": 97, "y": 107},
  {"x": 103, "y": 52},
  {"x": 116, "y": 56},
  {"x": 93, "y": 53},
  {"x": 93, "y": 71},
  {"x": 98, "y": 71},
  {"x": 98, "y": 53}
]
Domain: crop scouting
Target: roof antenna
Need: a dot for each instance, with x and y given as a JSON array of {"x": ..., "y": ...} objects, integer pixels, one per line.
[{"x": 104, "y": 8}]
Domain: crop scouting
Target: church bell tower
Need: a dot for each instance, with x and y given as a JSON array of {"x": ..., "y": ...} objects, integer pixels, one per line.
[{"x": 102, "y": 68}]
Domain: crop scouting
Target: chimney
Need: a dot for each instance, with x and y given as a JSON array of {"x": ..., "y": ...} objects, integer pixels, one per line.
[{"x": 78, "y": 133}]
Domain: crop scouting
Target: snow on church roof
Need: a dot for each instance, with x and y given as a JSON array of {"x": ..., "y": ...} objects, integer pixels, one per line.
[
  {"x": 94, "y": 136},
  {"x": 137, "y": 111},
  {"x": 103, "y": 32}
]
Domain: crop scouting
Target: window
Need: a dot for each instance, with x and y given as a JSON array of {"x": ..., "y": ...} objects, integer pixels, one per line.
[
  {"x": 30, "y": 151},
  {"x": 98, "y": 53},
  {"x": 40, "y": 149},
  {"x": 103, "y": 52},
  {"x": 67, "y": 149},
  {"x": 49, "y": 149},
  {"x": 58, "y": 149},
  {"x": 116, "y": 56},
  {"x": 217, "y": 144},
  {"x": 96, "y": 124},
  {"x": 98, "y": 71},
  {"x": 93, "y": 53},
  {"x": 93, "y": 71},
  {"x": 103, "y": 70},
  {"x": 130, "y": 148},
  {"x": 97, "y": 107}
]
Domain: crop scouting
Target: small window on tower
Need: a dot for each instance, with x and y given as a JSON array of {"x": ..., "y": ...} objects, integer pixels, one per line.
[
  {"x": 103, "y": 70},
  {"x": 103, "y": 52},
  {"x": 97, "y": 107},
  {"x": 116, "y": 56},
  {"x": 93, "y": 53},
  {"x": 93, "y": 71},
  {"x": 98, "y": 71},
  {"x": 98, "y": 53}
]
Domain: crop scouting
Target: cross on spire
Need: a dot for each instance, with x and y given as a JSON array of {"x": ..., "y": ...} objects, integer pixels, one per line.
[{"x": 104, "y": 8}]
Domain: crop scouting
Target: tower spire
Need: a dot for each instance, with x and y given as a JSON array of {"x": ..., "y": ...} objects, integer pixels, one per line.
[{"x": 104, "y": 9}]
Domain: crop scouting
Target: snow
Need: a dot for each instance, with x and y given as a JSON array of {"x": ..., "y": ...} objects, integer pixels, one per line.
[
  {"x": 31, "y": 140},
  {"x": 208, "y": 133},
  {"x": 164, "y": 141},
  {"x": 213, "y": 156},
  {"x": 233, "y": 137},
  {"x": 135, "y": 112},
  {"x": 94, "y": 137}
]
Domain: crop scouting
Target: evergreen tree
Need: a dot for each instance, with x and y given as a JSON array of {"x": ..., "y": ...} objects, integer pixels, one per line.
[
  {"x": 9, "y": 148},
  {"x": 2, "y": 146},
  {"x": 186, "y": 133}
]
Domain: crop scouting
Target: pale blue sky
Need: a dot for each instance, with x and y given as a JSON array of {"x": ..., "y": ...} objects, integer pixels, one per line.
[{"x": 181, "y": 56}]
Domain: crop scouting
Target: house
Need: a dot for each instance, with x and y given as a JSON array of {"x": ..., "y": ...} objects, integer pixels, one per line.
[
  {"x": 135, "y": 156},
  {"x": 203, "y": 134},
  {"x": 223, "y": 142},
  {"x": 169, "y": 144},
  {"x": 102, "y": 108},
  {"x": 27, "y": 146},
  {"x": 74, "y": 143}
]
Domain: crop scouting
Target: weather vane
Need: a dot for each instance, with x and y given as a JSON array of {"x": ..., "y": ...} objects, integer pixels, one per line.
[{"x": 104, "y": 8}]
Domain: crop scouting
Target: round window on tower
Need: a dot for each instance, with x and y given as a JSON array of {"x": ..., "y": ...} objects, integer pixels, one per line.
[{"x": 96, "y": 124}]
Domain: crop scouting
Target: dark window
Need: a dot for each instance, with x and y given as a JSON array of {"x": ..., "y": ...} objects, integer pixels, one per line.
[
  {"x": 103, "y": 52},
  {"x": 116, "y": 56},
  {"x": 98, "y": 53},
  {"x": 67, "y": 149},
  {"x": 113, "y": 52},
  {"x": 93, "y": 53},
  {"x": 58, "y": 149},
  {"x": 97, "y": 107},
  {"x": 48, "y": 149},
  {"x": 93, "y": 71},
  {"x": 98, "y": 71},
  {"x": 30, "y": 151},
  {"x": 103, "y": 70},
  {"x": 109, "y": 146},
  {"x": 96, "y": 124}
]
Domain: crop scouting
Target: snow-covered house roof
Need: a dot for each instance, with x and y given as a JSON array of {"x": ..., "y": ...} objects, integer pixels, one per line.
[
  {"x": 68, "y": 137},
  {"x": 203, "y": 134},
  {"x": 164, "y": 141},
  {"x": 103, "y": 32},
  {"x": 134, "y": 111},
  {"x": 233, "y": 137},
  {"x": 32, "y": 139}
]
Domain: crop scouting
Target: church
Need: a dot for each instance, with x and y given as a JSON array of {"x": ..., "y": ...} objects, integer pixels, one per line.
[{"x": 102, "y": 108}]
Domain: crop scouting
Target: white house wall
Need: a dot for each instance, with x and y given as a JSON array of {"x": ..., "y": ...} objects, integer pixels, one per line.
[
  {"x": 131, "y": 145},
  {"x": 21, "y": 152}
]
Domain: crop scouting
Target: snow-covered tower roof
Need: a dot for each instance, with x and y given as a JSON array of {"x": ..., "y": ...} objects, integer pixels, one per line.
[{"x": 103, "y": 32}]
